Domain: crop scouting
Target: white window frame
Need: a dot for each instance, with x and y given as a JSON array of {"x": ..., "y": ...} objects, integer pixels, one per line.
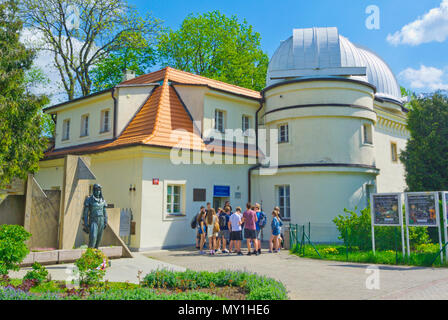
[
  {"x": 392, "y": 153},
  {"x": 65, "y": 130},
  {"x": 85, "y": 122},
  {"x": 285, "y": 210},
  {"x": 182, "y": 201},
  {"x": 223, "y": 120},
  {"x": 245, "y": 124},
  {"x": 103, "y": 122},
  {"x": 286, "y": 135},
  {"x": 367, "y": 129}
]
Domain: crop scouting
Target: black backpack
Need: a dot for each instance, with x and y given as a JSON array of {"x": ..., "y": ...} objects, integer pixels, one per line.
[
  {"x": 194, "y": 222},
  {"x": 222, "y": 221}
]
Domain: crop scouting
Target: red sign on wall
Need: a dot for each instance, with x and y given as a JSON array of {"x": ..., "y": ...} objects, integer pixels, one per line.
[{"x": 155, "y": 181}]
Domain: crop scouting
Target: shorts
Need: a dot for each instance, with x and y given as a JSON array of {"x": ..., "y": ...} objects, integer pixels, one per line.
[
  {"x": 236, "y": 236},
  {"x": 258, "y": 234},
  {"x": 224, "y": 233},
  {"x": 201, "y": 230},
  {"x": 250, "y": 234}
]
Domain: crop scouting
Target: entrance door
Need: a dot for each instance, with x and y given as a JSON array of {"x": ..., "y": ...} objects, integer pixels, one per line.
[{"x": 218, "y": 202}]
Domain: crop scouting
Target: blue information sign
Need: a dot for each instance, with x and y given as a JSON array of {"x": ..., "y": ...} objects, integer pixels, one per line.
[{"x": 221, "y": 191}]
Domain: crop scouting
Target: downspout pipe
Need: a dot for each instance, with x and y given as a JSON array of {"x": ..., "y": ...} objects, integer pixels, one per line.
[
  {"x": 115, "y": 112},
  {"x": 249, "y": 179}
]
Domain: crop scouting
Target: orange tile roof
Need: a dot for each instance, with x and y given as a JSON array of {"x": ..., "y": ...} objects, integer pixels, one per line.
[
  {"x": 162, "y": 121},
  {"x": 182, "y": 77}
]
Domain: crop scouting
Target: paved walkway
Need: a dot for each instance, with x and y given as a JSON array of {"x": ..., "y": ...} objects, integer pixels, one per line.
[
  {"x": 304, "y": 278},
  {"x": 319, "y": 279},
  {"x": 121, "y": 270}
]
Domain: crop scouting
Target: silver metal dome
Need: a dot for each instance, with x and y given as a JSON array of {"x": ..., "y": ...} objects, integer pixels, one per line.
[{"x": 317, "y": 52}]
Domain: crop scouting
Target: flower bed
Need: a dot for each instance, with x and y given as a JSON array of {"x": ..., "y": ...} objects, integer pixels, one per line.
[{"x": 157, "y": 285}]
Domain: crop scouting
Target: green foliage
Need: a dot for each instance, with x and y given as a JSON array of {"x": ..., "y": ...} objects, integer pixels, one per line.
[
  {"x": 258, "y": 287},
  {"x": 138, "y": 55},
  {"x": 12, "y": 247},
  {"x": 104, "y": 28},
  {"x": 92, "y": 266},
  {"x": 424, "y": 255},
  {"x": 356, "y": 231},
  {"x": 39, "y": 273},
  {"x": 426, "y": 155},
  {"x": 21, "y": 138},
  {"x": 146, "y": 294},
  {"x": 216, "y": 46}
]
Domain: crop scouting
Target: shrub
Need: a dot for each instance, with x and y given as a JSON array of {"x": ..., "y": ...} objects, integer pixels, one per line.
[
  {"x": 427, "y": 248},
  {"x": 146, "y": 294},
  {"x": 12, "y": 247},
  {"x": 329, "y": 250},
  {"x": 39, "y": 273},
  {"x": 258, "y": 287},
  {"x": 92, "y": 266},
  {"x": 355, "y": 230}
]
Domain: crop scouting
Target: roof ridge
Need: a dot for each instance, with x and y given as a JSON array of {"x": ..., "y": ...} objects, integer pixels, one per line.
[
  {"x": 210, "y": 79},
  {"x": 159, "y": 105}
]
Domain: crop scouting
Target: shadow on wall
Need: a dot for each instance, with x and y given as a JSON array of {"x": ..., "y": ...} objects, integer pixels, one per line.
[{"x": 12, "y": 210}]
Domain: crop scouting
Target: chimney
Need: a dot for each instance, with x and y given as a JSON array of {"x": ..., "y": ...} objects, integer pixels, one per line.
[{"x": 128, "y": 74}]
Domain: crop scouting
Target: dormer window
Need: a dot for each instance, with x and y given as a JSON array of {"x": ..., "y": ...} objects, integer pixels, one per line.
[
  {"x": 66, "y": 129},
  {"x": 85, "y": 125},
  {"x": 105, "y": 115}
]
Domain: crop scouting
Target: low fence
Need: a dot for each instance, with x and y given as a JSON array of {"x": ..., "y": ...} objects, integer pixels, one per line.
[{"x": 325, "y": 240}]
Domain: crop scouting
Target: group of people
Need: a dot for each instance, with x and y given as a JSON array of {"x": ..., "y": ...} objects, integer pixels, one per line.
[{"x": 216, "y": 230}]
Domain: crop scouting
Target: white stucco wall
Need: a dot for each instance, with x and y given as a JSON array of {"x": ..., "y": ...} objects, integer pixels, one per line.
[
  {"x": 74, "y": 111},
  {"x": 157, "y": 230},
  {"x": 130, "y": 99}
]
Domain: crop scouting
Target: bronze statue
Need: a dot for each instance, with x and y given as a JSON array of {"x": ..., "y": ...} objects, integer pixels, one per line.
[{"x": 95, "y": 216}]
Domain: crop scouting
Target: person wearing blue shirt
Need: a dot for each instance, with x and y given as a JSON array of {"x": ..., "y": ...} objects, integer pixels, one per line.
[
  {"x": 275, "y": 226},
  {"x": 259, "y": 225}
]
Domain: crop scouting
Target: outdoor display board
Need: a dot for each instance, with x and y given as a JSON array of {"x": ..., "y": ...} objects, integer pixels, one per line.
[
  {"x": 445, "y": 218},
  {"x": 422, "y": 210},
  {"x": 386, "y": 210}
]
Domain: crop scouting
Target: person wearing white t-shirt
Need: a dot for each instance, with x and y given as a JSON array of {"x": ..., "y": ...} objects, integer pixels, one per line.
[{"x": 235, "y": 231}]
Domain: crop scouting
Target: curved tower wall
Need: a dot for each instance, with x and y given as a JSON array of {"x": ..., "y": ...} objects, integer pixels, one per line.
[{"x": 326, "y": 163}]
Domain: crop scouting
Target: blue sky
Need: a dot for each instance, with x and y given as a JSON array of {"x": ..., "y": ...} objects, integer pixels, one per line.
[{"x": 417, "y": 54}]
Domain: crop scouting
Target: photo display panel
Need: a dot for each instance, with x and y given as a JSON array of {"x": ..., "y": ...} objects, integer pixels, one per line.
[
  {"x": 386, "y": 209},
  {"x": 421, "y": 209}
]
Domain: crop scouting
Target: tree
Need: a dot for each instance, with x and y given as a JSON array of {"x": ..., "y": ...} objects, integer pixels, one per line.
[
  {"x": 426, "y": 155},
  {"x": 81, "y": 33},
  {"x": 21, "y": 143},
  {"x": 218, "y": 47},
  {"x": 109, "y": 71}
]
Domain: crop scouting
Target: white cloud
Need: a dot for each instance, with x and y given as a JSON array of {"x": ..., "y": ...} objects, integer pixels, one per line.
[
  {"x": 433, "y": 26},
  {"x": 425, "y": 78}
]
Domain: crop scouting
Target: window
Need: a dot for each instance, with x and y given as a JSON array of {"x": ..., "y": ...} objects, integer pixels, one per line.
[
  {"x": 283, "y": 134},
  {"x": 199, "y": 194},
  {"x": 173, "y": 199},
  {"x": 246, "y": 124},
  {"x": 219, "y": 120},
  {"x": 85, "y": 125},
  {"x": 283, "y": 201},
  {"x": 105, "y": 121},
  {"x": 394, "y": 153},
  {"x": 66, "y": 129},
  {"x": 367, "y": 134}
]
